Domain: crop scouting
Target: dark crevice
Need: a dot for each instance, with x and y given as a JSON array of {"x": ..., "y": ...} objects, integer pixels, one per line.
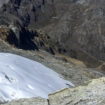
[{"x": 26, "y": 40}]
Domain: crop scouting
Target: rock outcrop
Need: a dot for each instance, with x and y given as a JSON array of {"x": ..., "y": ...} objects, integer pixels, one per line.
[
  {"x": 26, "y": 39},
  {"x": 91, "y": 93}
]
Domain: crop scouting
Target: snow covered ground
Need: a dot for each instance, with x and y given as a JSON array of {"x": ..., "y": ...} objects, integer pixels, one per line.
[{"x": 24, "y": 78}]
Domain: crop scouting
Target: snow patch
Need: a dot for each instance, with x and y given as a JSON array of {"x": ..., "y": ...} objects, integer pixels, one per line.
[{"x": 24, "y": 78}]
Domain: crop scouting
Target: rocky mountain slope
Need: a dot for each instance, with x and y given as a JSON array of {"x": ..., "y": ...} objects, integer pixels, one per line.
[
  {"x": 72, "y": 31},
  {"x": 75, "y": 26},
  {"x": 91, "y": 93},
  {"x": 69, "y": 68}
]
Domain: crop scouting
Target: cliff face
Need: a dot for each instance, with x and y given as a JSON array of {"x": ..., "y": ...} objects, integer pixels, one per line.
[{"x": 76, "y": 27}]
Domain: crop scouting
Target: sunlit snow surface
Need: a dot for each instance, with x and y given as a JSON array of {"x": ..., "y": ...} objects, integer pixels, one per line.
[{"x": 24, "y": 78}]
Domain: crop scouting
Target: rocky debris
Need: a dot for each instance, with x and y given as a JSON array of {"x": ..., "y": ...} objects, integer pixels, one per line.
[{"x": 91, "y": 93}]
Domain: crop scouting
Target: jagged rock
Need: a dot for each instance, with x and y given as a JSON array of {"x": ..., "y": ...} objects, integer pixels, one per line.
[{"x": 91, "y": 93}]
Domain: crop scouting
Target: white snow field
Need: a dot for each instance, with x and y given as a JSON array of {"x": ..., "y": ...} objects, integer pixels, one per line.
[{"x": 24, "y": 78}]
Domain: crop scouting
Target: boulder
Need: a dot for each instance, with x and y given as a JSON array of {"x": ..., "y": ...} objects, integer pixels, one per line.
[{"x": 91, "y": 93}]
